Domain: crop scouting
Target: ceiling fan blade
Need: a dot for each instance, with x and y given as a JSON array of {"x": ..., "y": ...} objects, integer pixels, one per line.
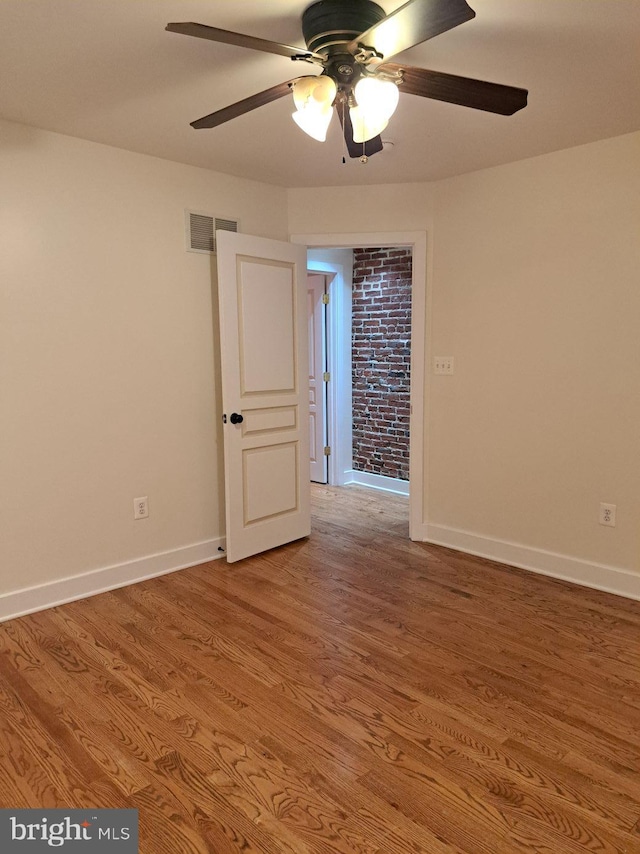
[
  {"x": 356, "y": 149},
  {"x": 477, "y": 94},
  {"x": 202, "y": 31},
  {"x": 411, "y": 24},
  {"x": 244, "y": 106}
]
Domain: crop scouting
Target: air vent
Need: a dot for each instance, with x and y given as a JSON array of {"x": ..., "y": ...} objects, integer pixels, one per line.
[{"x": 201, "y": 230}]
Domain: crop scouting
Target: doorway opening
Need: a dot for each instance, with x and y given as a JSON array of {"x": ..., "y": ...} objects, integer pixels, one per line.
[
  {"x": 377, "y": 455},
  {"x": 381, "y": 367},
  {"x": 332, "y": 255}
]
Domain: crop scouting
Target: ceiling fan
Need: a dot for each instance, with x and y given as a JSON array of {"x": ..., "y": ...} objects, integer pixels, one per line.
[{"x": 352, "y": 41}]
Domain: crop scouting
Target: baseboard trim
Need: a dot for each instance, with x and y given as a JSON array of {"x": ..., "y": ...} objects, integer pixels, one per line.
[
  {"x": 31, "y": 599},
  {"x": 377, "y": 481},
  {"x": 609, "y": 579}
]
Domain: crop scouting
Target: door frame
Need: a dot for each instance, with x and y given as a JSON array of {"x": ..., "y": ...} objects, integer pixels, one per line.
[{"x": 417, "y": 241}]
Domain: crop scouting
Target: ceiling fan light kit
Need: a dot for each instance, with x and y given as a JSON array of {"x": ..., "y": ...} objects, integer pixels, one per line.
[{"x": 352, "y": 42}]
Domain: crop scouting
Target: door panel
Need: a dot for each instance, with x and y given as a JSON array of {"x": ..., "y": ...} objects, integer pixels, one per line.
[
  {"x": 266, "y": 313},
  {"x": 276, "y": 465},
  {"x": 264, "y": 354},
  {"x": 264, "y": 420},
  {"x": 317, "y": 365}
]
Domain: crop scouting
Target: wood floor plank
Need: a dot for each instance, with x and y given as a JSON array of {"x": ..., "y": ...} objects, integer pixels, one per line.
[
  {"x": 215, "y": 795},
  {"x": 382, "y": 823},
  {"x": 350, "y": 693}
]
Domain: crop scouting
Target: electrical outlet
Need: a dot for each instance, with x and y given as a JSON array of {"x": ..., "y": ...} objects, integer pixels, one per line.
[
  {"x": 443, "y": 365},
  {"x": 608, "y": 515},
  {"x": 140, "y": 507}
]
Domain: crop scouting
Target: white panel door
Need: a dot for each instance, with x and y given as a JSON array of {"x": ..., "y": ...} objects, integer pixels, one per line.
[
  {"x": 264, "y": 350},
  {"x": 317, "y": 387}
]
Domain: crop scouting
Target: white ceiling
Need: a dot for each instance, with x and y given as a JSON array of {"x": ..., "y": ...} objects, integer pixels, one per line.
[{"x": 107, "y": 71}]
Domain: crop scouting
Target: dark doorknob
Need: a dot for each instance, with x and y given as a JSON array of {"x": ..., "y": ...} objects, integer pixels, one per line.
[{"x": 235, "y": 418}]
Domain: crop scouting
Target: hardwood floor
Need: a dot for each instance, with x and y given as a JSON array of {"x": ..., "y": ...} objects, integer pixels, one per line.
[{"x": 354, "y": 692}]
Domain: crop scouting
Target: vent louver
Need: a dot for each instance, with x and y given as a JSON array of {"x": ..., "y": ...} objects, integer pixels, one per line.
[{"x": 201, "y": 230}]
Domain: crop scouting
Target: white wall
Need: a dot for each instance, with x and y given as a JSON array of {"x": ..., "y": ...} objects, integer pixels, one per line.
[
  {"x": 376, "y": 208},
  {"x": 536, "y": 292},
  {"x": 108, "y": 358},
  {"x": 533, "y": 288}
]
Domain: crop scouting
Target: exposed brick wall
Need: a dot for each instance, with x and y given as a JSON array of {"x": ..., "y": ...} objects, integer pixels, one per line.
[{"x": 381, "y": 341}]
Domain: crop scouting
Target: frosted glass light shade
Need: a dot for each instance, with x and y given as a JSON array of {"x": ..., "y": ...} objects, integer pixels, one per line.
[
  {"x": 310, "y": 92},
  {"x": 376, "y": 102},
  {"x": 314, "y": 122},
  {"x": 381, "y": 96},
  {"x": 314, "y": 97},
  {"x": 365, "y": 127}
]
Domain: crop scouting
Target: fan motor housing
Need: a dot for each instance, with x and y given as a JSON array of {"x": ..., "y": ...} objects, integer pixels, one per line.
[{"x": 330, "y": 24}]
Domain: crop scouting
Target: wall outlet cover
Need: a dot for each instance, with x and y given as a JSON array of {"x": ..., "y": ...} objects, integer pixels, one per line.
[
  {"x": 141, "y": 507},
  {"x": 608, "y": 515}
]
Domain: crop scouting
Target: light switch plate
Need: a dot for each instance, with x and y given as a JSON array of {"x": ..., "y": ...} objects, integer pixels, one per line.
[{"x": 443, "y": 365}]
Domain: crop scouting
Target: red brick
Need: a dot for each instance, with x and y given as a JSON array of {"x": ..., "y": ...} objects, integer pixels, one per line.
[{"x": 381, "y": 347}]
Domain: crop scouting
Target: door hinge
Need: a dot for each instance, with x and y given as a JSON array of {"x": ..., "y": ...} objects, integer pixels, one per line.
[
  {"x": 326, "y": 377},
  {"x": 325, "y": 299},
  {"x": 327, "y": 450}
]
